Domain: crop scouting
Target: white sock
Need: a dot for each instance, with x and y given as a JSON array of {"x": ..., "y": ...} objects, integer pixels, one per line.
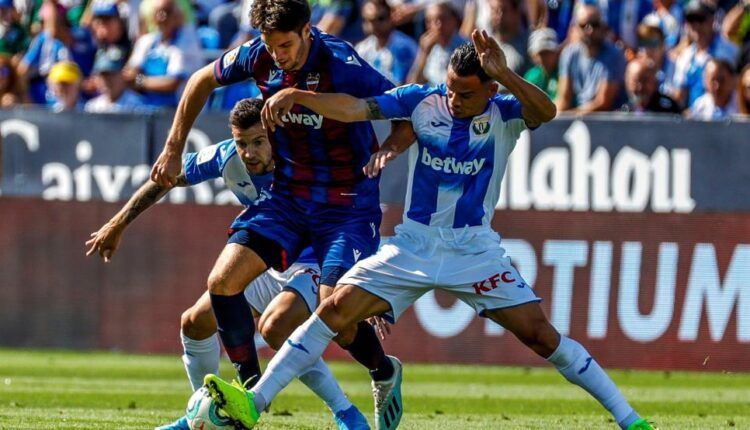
[
  {"x": 200, "y": 357},
  {"x": 321, "y": 381},
  {"x": 577, "y": 366},
  {"x": 303, "y": 348}
]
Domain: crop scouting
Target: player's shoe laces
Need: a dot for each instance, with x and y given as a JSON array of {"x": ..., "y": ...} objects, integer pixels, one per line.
[
  {"x": 180, "y": 424},
  {"x": 387, "y": 394},
  {"x": 641, "y": 424},
  {"x": 234, "y": 400},
  {"x": 351, "y": 419}
]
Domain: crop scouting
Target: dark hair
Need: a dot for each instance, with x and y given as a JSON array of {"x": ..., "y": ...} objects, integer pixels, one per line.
[
  {"x": 465, "y": 62},
  {"x": 279, "y": 15},
  {"x": 246, "y": 113}
]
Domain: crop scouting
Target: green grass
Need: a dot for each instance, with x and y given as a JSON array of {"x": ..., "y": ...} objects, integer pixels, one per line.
[{"x": 72, "y": 390}]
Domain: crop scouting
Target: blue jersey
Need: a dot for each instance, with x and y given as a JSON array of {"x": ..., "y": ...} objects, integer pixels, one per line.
[
  {"x": 456, "y": 167},
  {"x": 317, "y": 159},
  {"x": 222, "y": 161}
]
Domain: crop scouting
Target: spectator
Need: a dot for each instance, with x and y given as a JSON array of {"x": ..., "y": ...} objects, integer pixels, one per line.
[
  {"x": 436, "y": 44},
  {"x": 719, "y": 101},
  {"x": 736, "y": 24},
  {"x": 64, "y": 82},
  {"x": 57, "y": 42},
  {"x": 337, "y": 17},
  {"x": 115, "y": 96},
  {"x": 642, "y": 89},
  {"x": 545, "y": 53},
  {"x": 668, "y": 16},
  {"x": 510, "y": 32},
  {"x": 622, "y": 18},
  {"x": 705, "y": 44},
  {"x": 163, "y": 60},
  {"x": 108, "y": 27},
  {"x": 591, "y": 70},
  {"x": 651, "y": 45},
  {"x": 388, "y": 50},
  {"x": 14, "y": 39},
  {"x": 743, "y": 92},
  {"x": 10, "y": 93}
]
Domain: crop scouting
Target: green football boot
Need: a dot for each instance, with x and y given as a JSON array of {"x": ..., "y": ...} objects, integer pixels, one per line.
[
  {"x": 232, "y": 398},
  {"x": 641, "y": 424}
]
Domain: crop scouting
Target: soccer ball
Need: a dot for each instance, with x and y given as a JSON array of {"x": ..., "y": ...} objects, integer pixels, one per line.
[{"x": 203, "y": 414}]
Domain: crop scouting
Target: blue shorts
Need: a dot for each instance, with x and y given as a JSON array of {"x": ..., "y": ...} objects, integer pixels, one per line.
[{"x": 278, "y": 228}]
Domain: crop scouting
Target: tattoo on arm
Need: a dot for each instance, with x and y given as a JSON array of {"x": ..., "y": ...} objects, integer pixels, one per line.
[
  {"x": 373, "y": 109},
  {"x": 146, "y": 197}
]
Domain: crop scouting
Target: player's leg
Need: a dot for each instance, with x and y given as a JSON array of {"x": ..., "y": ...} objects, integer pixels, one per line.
[
  {"x": 235, "y": 268},
  {"x": 287, "y": 311},
  {"x": 531, "y": 326},
  {"x": 302, "y": 349},
  {"x": 200, "y": 343}
]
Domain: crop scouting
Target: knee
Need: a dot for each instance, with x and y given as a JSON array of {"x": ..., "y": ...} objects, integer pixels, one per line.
[
  {"x": 333, "y": 314},
  {"x": 540, "y": 336},
  {"x": 198, "y": 324},
  {"x": 273, "y": 330},
  {"x": 218, "y": 284}
]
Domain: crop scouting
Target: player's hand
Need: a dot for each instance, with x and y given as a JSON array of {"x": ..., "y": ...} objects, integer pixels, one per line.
[
  {"x": 378, "y": 161},
  {"x": 381, "y": 326},
  {"x": 166, "y": 169},
  {"x": 105, "y": 241},
  {"x": 277, "y": 107},
  {"x": 491, "y": 56}
]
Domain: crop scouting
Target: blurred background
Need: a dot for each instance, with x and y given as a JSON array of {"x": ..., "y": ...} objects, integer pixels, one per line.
[{"x": 629, "y": 213}]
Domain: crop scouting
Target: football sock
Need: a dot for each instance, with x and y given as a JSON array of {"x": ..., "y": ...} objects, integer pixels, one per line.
[
  {"x": 321, "y": 381},
  {"x": 236, "y": 329},
  {"x": 303, "y": 348},
  {"x": 577, "y": 366},
  {"x": 367, "y": 350},
  {"x": 200, "y": 357}
]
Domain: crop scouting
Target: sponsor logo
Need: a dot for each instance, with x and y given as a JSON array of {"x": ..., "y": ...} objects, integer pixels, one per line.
[
  {"x": 481, "y": 125},
  {"x": 206, "y": 154},
  {"x": 374, "y": 229},
  {"x": 313, "y": 79},
  {"x": 451, "y": 165},
  {"x": 352, "y": 60},
  {"x": 297, "y": 345},
  {"x": 438, "y": 124},
  {"x": 244, "y": 184},
  {"x": 357, "y": 253},
  {"x": 586, "y": 366},
  {"x": 314, "y": 121},
  {"x": 493, "y": 282}
]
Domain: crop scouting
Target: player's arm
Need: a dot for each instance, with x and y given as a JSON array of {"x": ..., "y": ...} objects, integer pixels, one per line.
[
  {"x": 402, "y": 136},
  {"x": 106, "y": 240},
  {"x": 197, "y": 90},
  {"x": 336, "y": 106},
  {"x": 536, "y": 107}
]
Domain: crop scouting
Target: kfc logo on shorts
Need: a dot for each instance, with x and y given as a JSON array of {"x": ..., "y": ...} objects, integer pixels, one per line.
[
  {"x": 493, "y": 282},
  {"x": 313, "y": 79}
]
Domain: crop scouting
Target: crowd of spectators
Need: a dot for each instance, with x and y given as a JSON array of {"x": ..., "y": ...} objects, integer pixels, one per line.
[{"x": 686, "y": 57}]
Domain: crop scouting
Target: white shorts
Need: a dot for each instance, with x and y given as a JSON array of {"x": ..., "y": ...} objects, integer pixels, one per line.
[
  {"x": 469, "y": 264},
  {"x": 300, "y": 278}
]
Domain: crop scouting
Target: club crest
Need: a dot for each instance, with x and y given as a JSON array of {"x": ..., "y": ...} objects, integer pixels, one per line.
[
  {"x": 481, "y": 126},
  {"x": 313, "y": 79}
]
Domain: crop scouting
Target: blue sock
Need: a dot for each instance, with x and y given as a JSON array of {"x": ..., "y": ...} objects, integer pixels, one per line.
[
  {"x": 368, "y": 351},
  {"x": 236, "y": 329}
]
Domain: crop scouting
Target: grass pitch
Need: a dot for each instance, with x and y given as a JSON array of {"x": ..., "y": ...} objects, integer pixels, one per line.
[{"x": 71, "y": 390}]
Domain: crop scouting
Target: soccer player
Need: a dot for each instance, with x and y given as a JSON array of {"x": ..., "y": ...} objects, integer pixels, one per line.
[
  {"x": 320, "y": 196},
  {"x": 465, "y": 133},
  {"x": 282, "y": 300}
]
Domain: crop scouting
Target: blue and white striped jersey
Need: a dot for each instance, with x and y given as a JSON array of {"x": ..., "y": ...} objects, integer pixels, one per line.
[
  {"x": 222, "y": 161},
  {"x": 456, "y": 167}
]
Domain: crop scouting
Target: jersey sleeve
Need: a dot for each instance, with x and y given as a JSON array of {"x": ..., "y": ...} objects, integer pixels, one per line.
[
  {"x": 400, "y": 102},
  {"x": 203, "y": 165},
  {"x": 355, "y": 76},
  {"x": 510, "y": 112},
  {"x": 236, "y": 65}
]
